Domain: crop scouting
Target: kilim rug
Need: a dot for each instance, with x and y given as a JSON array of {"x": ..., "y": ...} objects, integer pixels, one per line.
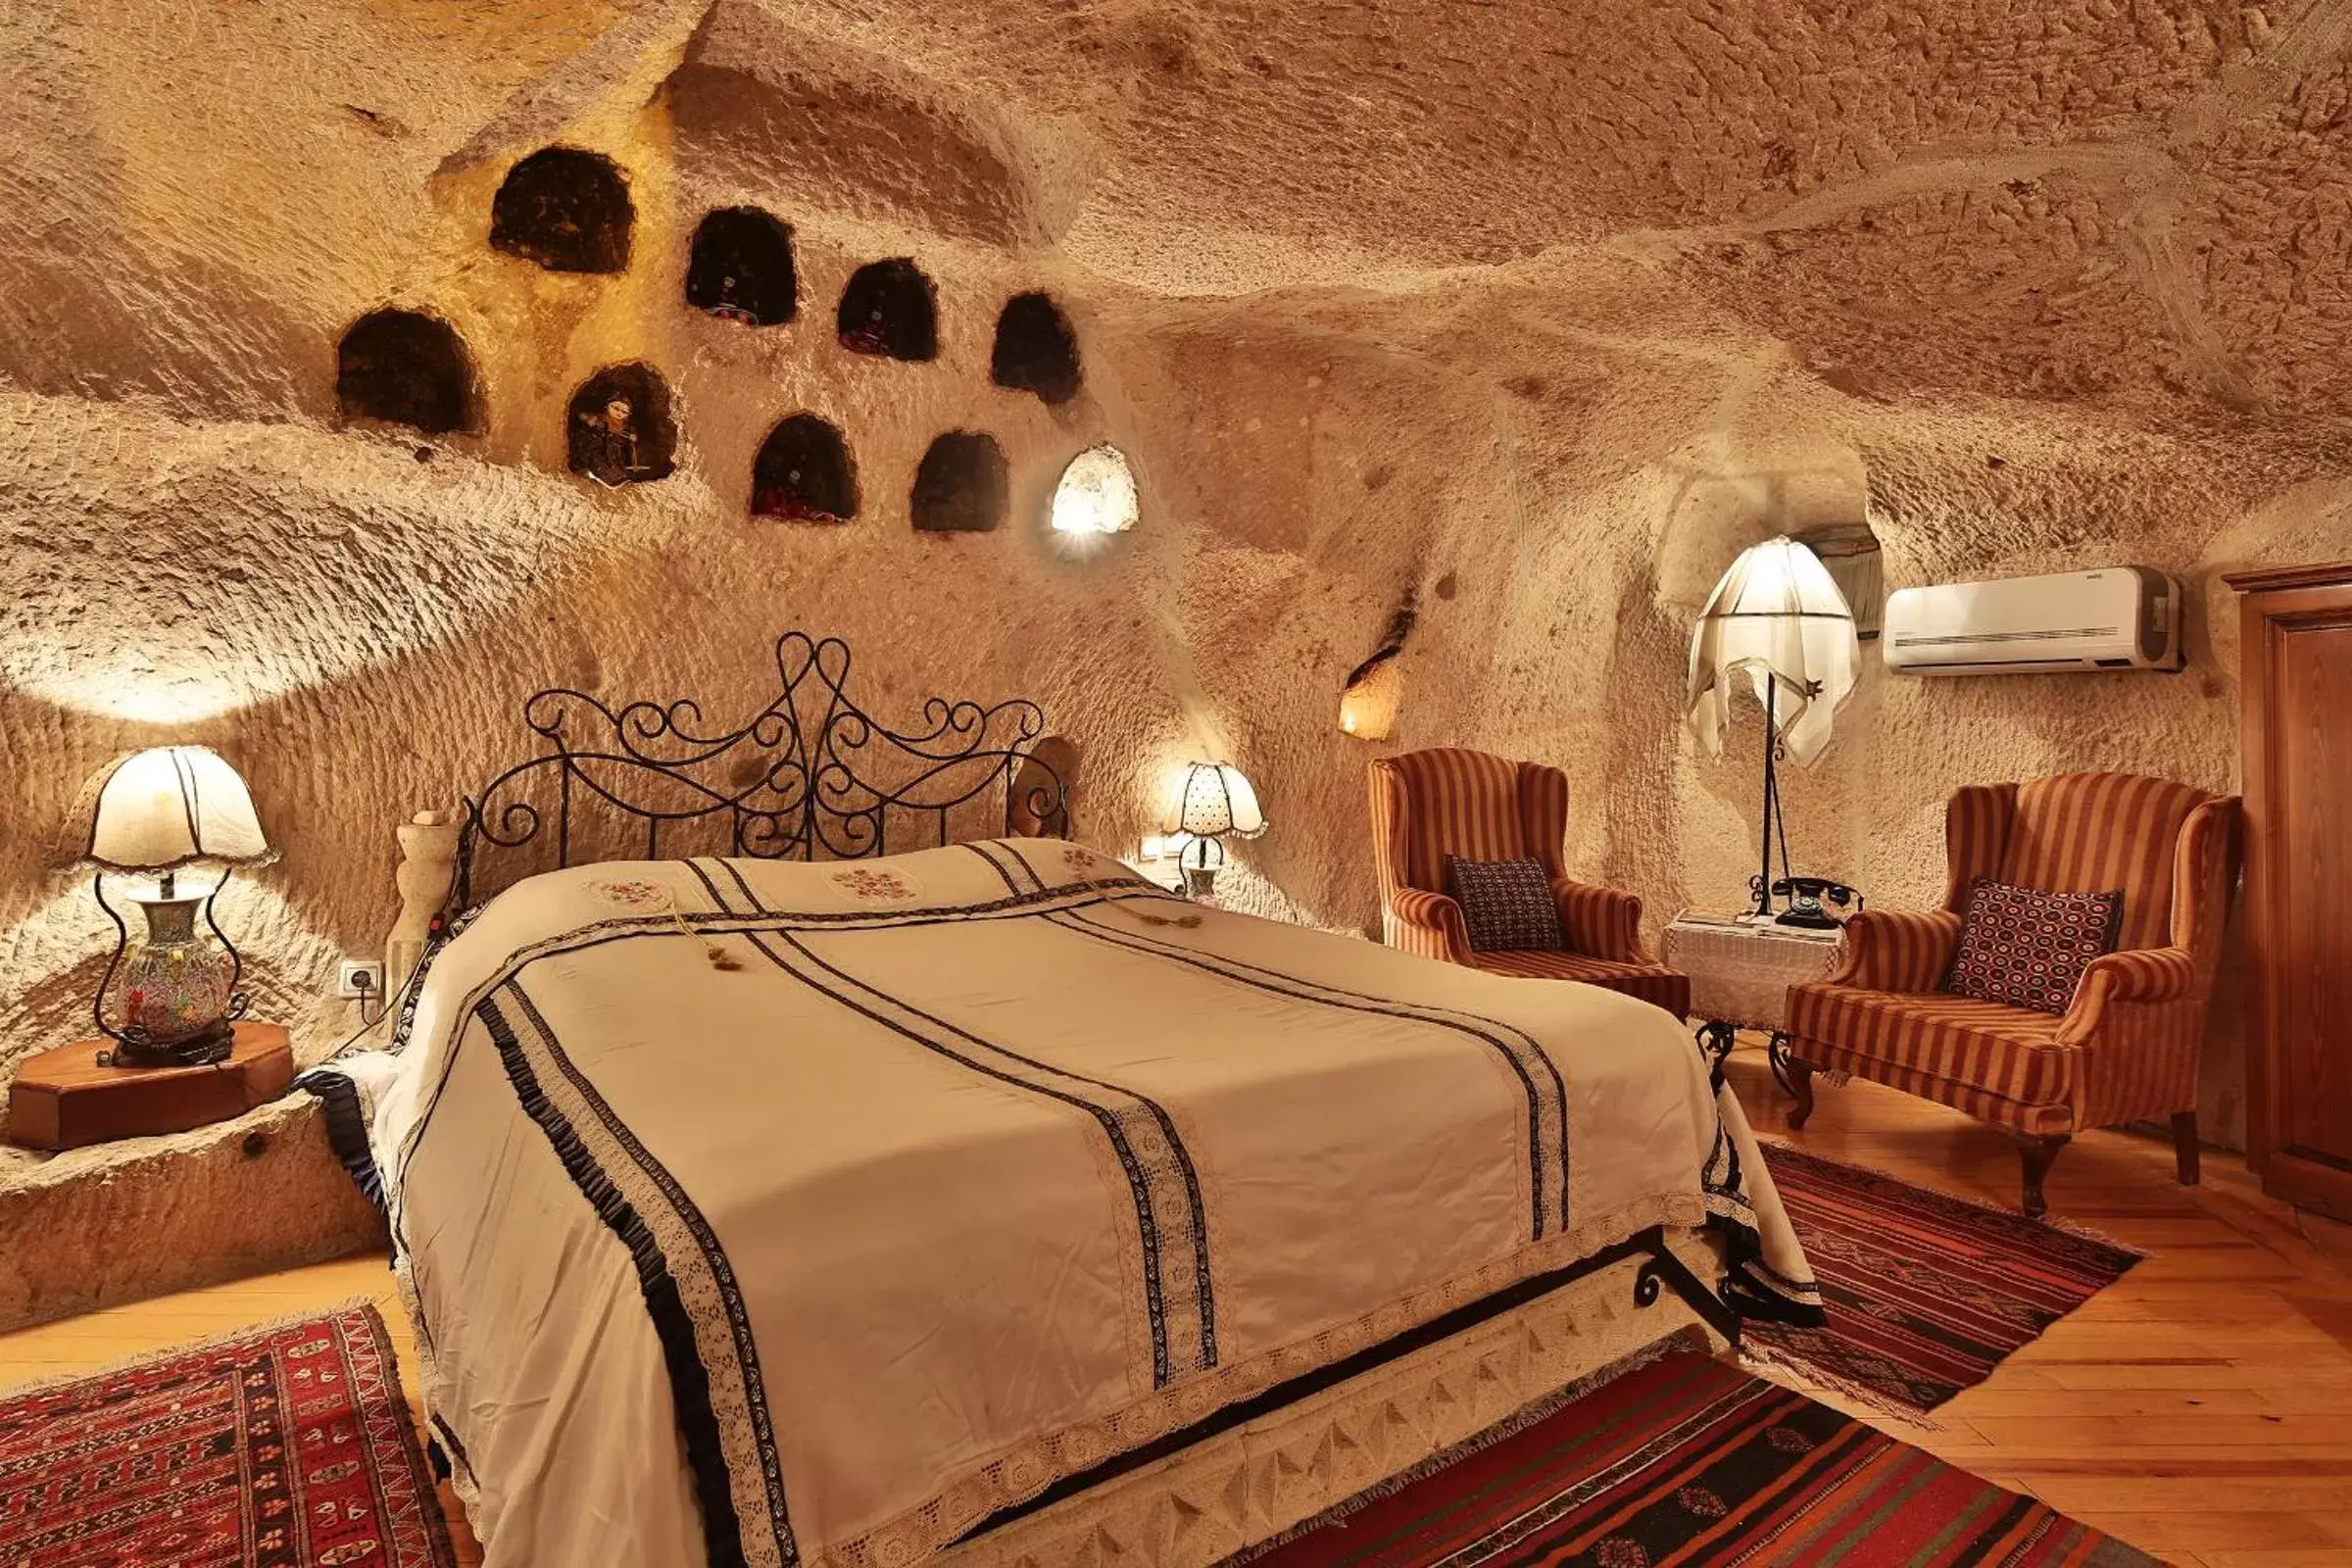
[
  {"x": 1687, "y": 1462},
  {"x": 285, "y": 1447},
  {"x": 1925, "y": 1294}
]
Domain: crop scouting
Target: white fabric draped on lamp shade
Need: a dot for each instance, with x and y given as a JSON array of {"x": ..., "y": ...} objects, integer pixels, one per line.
[
  {"x": 1778, "y": 615},
  {"x": 174, "y": 806}
]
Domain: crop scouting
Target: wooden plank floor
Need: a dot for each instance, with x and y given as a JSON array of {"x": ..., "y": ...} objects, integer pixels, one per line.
[{"x": 2201, "y": 1408}]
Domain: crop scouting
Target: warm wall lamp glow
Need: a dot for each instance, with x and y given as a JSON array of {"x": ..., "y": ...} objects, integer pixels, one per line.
[
  {"x": 1368, "y": 705},
  {"x": 1095, "y": 495},
  {"x": 1212, "y": 800}
]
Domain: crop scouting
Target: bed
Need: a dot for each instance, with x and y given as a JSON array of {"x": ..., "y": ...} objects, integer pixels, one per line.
[{"x": 984, "y": 1204}]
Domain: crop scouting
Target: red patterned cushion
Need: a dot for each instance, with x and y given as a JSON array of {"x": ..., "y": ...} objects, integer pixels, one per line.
[
  {"x": 2028, "y": 948},
  {"x": 1507, "y": 905}
]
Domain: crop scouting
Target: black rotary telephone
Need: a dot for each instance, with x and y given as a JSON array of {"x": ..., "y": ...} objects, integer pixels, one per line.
[{"x": 1805, "y": 894}]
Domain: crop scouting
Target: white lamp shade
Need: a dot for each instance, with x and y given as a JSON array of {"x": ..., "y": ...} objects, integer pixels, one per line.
[
  {"x": 174, "y": 806},
  {"x": 1778, "y": 615},
  {"x": 1212, "y": 800}
]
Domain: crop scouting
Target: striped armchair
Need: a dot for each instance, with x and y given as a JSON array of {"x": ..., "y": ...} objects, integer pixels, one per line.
[
  {"x": 2126, "y": 1049},
  {"x": 1428, "y": 805}
]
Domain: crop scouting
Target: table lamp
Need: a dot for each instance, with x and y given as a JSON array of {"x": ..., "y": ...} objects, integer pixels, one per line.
[
  {"x": 1212, "y": 801},
  {"x": 169, "y": 998},
  {"x": 1778, "y": 615}
]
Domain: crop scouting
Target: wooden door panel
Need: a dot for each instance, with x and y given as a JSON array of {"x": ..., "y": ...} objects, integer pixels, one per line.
[{"x": 2312, "y": 959}]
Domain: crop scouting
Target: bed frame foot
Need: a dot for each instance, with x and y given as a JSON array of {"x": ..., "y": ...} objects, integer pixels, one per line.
[{"x": 1661, "y": 1269}]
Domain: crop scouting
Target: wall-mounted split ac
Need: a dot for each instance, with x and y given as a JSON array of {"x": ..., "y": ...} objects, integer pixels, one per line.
[{"x": 2116, "y": 618}]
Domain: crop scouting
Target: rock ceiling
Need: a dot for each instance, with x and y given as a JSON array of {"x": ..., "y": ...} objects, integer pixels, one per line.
[{"x": 2116, "y": 204}]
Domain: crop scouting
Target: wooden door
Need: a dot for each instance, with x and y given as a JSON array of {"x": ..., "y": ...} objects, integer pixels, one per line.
[{"x": 2295, "y": 662}]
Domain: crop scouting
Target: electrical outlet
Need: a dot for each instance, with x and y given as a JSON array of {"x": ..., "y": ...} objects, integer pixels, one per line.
[{"x": 359, "y": 977}]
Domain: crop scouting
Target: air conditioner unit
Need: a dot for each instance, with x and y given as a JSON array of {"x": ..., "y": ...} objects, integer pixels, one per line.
[{"x": 2116, "y": 618}]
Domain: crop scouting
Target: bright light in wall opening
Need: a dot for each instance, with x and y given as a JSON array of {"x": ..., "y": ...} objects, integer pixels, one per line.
[{"x": 1095, "y": 495}]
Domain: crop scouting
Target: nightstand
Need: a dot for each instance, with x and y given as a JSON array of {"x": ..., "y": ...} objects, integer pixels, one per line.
[
  {"x": 1740, "y": 969},
  {"x": 61, "y": 1099}
]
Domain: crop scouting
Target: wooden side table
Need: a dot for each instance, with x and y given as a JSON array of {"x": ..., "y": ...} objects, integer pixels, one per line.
[
  {"x": 1740, "y": 970},
  {"x": 61, "y": 1099}
]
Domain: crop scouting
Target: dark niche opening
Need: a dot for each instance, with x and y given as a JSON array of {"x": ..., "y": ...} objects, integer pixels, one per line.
[
  {"x": 620, "y": 430},
  {"x": 804, "y": 472},
  {"x": 1036, "y": 351},
  {"x": 566, "y": 210},
  {"x": 889, "y": 309},
  {"x": 962, "y": 486},
  {"x": 741, "y": 267},
  {"x": 405, "y": 367}
]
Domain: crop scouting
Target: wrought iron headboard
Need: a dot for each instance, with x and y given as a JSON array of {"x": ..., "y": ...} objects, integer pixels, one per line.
[{"x": 811, "y": 776}]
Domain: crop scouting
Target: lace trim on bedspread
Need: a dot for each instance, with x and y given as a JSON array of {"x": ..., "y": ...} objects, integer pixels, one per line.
[{"x": 1016, "y": 1475}]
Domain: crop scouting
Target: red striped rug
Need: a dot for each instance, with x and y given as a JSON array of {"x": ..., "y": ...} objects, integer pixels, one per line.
[
  {"x": 287, "y": 1446},
  {"x": 1925, "y": 1294},
  {"x": 1687, "y": 1462}
]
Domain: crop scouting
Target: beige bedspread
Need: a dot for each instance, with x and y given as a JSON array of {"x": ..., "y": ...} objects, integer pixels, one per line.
[{"x": 779, "y": 1214}]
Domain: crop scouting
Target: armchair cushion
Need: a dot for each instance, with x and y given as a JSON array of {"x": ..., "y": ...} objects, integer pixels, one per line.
[
  {"x": 2011, "y": 1053},
  {"x": 1507, "y": 905},
  {"x": 2029, "y": 946}
]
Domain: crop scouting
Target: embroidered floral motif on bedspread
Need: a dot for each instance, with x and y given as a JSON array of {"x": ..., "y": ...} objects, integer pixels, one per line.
[
  {"x": 866, "y": 882},
  {"x": 639, "y": 893}
]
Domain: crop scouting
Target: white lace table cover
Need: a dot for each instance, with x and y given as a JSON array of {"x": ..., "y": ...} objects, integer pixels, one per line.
[{"x": 1741, "y": 974}]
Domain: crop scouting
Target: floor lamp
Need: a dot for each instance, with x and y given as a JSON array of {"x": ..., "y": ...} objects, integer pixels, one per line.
[{"x": 1778, "y": 615}]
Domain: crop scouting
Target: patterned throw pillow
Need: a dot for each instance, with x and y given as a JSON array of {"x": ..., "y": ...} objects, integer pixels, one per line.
[
  {"x": 2029, "y": 948},
  {"x": 1507, "y": 905}
]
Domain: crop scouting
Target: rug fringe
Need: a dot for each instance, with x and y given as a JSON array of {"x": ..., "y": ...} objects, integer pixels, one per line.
[
  {"x": 215, "y": 1342},
  {"x": 2047, "y": 1221},
  {"x": 1693, "y": 1338},
  {"x": 1802, "y": 1374}
]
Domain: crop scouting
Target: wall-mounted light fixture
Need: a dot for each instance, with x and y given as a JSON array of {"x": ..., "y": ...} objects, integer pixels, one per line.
[
  {"x": 1095, "y": 495},
  {"x": 1368, "y": 701}
]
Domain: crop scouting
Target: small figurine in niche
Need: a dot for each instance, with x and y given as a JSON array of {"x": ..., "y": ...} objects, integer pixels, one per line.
[
  {"x": 729, "y": 306},
  {"x": 620, "y": 431},
  {"x": 872, "y": 335},
  {"x": 610, "y": 443},
  {"x": 789, "y": 500}
]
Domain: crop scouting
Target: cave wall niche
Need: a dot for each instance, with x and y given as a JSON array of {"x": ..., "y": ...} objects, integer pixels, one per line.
[
  {"x": 889, "y": 309},
  {"x": 620, "y": 430},
  {"x": 741, "y": 267},
  {"x": 963, "y": 485},
  {"x": 1036, "y": 351},
  {"x": 566, "y": 209},
  {"x": 803, "y": 474},
  {"x": 406, "y": 368}
]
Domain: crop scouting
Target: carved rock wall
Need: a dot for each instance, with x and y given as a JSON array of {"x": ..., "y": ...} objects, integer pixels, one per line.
[{"x": 1541, "y": 312}]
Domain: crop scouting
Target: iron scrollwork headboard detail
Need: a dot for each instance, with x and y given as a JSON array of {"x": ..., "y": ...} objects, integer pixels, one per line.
[{"x": 812, "y": 776}]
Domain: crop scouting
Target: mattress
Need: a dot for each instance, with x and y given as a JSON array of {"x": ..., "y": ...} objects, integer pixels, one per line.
[{"x": 772, "y": 1213}]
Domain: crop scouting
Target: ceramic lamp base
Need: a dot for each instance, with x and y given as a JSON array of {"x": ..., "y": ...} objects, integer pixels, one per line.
[{"x": 1199, "y": 881}]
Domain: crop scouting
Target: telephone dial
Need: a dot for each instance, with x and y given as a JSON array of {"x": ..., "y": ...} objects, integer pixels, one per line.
[{"x": 1805, "y": 896}]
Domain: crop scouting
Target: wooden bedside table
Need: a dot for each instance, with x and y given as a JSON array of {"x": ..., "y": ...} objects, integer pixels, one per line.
[
  {"x": 61, "y": 1099},
  {"x": 1741, "y": 972}
]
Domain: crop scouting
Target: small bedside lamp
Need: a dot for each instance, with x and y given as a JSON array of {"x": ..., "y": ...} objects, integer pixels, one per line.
[
  {"x": 1212, "y": 801},
  {"x": 172, "y": 998}
]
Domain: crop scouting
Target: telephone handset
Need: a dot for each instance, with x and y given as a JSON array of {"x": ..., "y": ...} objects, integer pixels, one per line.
[{"x": 1805, "y": 894}]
